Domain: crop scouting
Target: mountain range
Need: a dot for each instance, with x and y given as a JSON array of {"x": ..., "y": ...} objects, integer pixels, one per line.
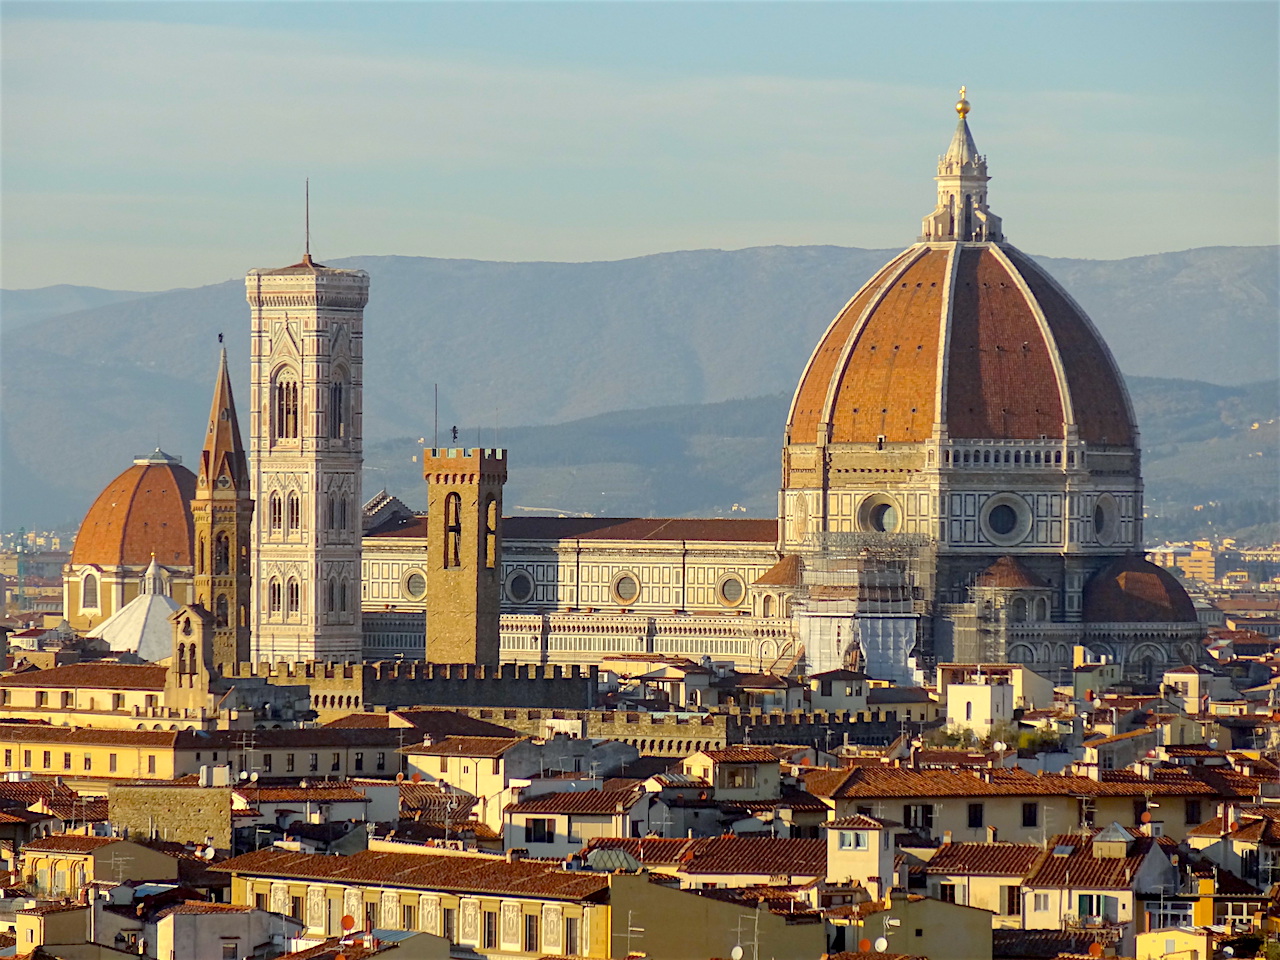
[{"x": 621, "y": 375}]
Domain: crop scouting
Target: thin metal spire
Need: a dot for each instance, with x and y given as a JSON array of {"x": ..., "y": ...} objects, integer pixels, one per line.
[{"x": 307, "y": 220}]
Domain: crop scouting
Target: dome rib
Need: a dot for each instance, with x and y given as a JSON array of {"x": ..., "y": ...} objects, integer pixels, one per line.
[
  {"x": 807, "y": 411},
  {"x": 155, "y": 494},
  {"x": 864, "y": 388}
]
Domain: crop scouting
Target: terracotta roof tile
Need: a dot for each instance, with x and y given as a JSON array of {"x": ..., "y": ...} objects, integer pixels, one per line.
[
  {"x": 144, "y": 512},
  {"x": 583, "y": 802},
  {"x": 424, "y": 871},
  {"x": 759, "y": 855},
  {"x": 1080, "y": 868},
  {"x": 785, "y": 573},
  {"x": 1134, "y": 590},
  {"x": 68, "y": 843},
  {"x": 111, "y": 676},
  {"x": 491, "y": 747},
  {"x": 985, "y": 859},
  {"x": 1009, "y": 573},
  {"x": 605, "y": 528},
  {"x": 741, "y": 755}
]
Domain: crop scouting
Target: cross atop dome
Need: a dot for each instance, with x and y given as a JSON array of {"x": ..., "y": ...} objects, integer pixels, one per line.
[{"x": 962, "y": 212}]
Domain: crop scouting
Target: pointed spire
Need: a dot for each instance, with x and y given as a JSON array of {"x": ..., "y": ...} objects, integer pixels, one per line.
[
  {"x": 962, "y": 212},
  {"x": 223, "y": 453}
]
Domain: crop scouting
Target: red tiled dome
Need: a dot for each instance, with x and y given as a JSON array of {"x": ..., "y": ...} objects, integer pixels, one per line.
[
  {"x": 145, "y": 510},
  {"x": 1019, "y": 359},
  {"x": 1134, "y": 590},
  {"x": 1008, "y": 574}
]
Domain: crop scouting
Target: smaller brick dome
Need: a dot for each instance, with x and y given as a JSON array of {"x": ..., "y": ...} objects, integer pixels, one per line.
[
  {"x": 1008, "y": 574},
  {"x": 1134, "y": 590},
  {"x": 144, "y": 511}
]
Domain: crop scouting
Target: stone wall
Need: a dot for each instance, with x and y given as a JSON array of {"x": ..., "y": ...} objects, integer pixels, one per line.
[
  {"x": 671, "y": 734},
  {"x": 184, "y": 814}
]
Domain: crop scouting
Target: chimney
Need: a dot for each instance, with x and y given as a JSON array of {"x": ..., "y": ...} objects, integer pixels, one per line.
[
  {"x": 946, "y": 837},
  {"x": 516, "y": 854},
  {"x": 991, "y": 834}
]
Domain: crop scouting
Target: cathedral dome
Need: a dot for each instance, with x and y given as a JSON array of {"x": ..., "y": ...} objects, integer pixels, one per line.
[
  {"x": 963, "y": 335},
  {"x": 144, "y": 512},
  {"x": 1134, "y": 590}
]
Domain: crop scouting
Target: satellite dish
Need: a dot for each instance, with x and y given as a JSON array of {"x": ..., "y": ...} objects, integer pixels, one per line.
[
  {"x": 1146, "y": 817},
  {"x": 736, "y": 953},
  {"x": 999, "y": 746},
  {"x": 864, "y": 945},
  {"x": 1095, "y": 949},
  {"x": 209, "y": 853},
  {"x": 1213, "y": 744},
  {"x": 253, "y": 777},
  {"x": 416, "y": 778},
  {"x": 244, "y": 774},
  {"x": 348, "y": 922},
  {"x": 881, "y": 944}
]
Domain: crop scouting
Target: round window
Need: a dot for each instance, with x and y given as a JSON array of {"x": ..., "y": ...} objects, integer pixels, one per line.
[
  {"x": 731, "y": 591},
  {"x": 879, "y": 513},
  {"x": 1002, "y": 519},
  {"x": 1105, "y": 513},
  {"x": 1006, "y": 519},
  {"x": 520, "y": 587},
  {"x": 625, "y": 588},
  {"x": 415, "y": 585},
  {"x": 884, "y": 517}
]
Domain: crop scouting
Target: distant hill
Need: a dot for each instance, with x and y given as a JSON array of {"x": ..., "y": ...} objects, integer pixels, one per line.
[
  {"x": 19, "y": 308},
  {"x": 548, "y": 343}
]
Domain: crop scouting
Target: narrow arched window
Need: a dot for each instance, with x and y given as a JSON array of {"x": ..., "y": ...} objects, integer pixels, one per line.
[
  {"x": 766, "y": 607},
  {"x": 221, "y": 555},
  {"x": 221, "y": 614},
  {"x": 277, "y": 513},
  {"x": 342, "y": 513},
  {"x": 274, "y": 596},
  {"x": 331, "y": 596},
  {"x": 1042, "y": 609},
  {"x": 1019, "y": 610},
  {"x": 294, "y": 595},
  {"x": 89, "y": 591},
  {"x": 337, "y": 410},
  {"x": 295, "y": 513},
  {"x": 329, "y": 513},
  {"x": 200, "y": 549},
  {"x": 968, "y": 710},
  {"x": 491, "y": 533},
  {"x": 342, "y": 597},
  {"x": 286, "y": 409},
  {"x": 453, "y": 530}
]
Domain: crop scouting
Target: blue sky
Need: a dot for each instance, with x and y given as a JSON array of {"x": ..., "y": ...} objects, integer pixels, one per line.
[{"x": 147, "y": 146}]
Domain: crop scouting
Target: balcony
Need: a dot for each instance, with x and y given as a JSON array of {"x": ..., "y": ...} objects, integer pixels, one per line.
[{"x": 1099, "y": 927}]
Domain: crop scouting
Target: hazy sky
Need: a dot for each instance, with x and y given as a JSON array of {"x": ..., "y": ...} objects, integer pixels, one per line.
[{"x": 148, "y": 146}]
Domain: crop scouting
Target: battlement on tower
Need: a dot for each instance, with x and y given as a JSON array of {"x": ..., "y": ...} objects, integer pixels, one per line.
[
  {"x": 464, "y": 465},
  {"x": 393, "y": 684}
]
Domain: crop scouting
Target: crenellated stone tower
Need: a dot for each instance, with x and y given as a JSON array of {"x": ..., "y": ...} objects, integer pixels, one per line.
[
  {"x": 464, "y": 562},
  {"x": 222, "y": 515},
  {"x": 306, "y": 460}
]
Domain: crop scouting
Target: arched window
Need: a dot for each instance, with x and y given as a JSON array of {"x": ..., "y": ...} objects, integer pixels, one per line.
[
  {"x": 221, "y": 555},
  {"x": 766, "y": 606},
  {"x": 968, "y": 710},
  {"x": 89, "y": 591},
  {"x": 1019, "y": 610},
  {"x": 453, "y": 530},
  {"x": 329, "y": 513},
  {"x": 244, "y": 615},
  {"x": 277, "y": 513},
  {"x": 1042, "y": 609},
  {"x": 491, "y": 533},
  {"x": 200, "y": 548},
  {"x": 285, "y": 409},
  {"x": 273, "y": 596},
  {"x": 342, "y": 513},
  {"x": 295, "y": 513},
  {"x": 221, "y": 615},
  {"x": 294, "y": 594},
  {"x": 342, "y": 597},
  {"x": 337, "y": 410}
]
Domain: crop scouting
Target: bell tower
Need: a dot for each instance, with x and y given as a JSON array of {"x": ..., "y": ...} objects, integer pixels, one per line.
[
  {"x": 464, "y": 553},
  {"x": 306, "y": 448},
  {"x": 222, "y": 514}
]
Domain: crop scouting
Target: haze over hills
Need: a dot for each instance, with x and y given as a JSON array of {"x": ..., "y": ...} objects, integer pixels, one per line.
[{"x": 546, "y": 343}]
